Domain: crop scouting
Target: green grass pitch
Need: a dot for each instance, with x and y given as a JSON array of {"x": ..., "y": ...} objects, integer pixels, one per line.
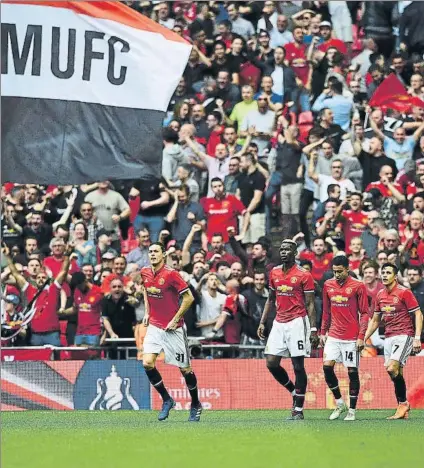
[{"x": 233, "y": 439}]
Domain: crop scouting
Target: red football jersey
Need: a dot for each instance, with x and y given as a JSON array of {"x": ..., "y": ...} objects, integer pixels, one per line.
[
  {"x": 163, "y": 293},
  {"x": 336, "y": 43},
  {"x": 55, "y": 266},
  {"x": 411, "y": 190},
  {"x": 355, "y": 223},
  {"x": 89, "y": 306},
  {"x": 372, "y": 294},
  {"x": 221, "y": 214},
  {"x": 396, "y": 307},
  {"x": 354, "y": 263},
  {"x": 290, "y": 288},
  {"x": 385, "y": 191},
  {"x": 46, "y": 306},
  {"x": 319, "y": 264},
  {"x": 232, "y": 328},
  {"x": 296, "y": 56},
  {"x": 345, "y": 309}
]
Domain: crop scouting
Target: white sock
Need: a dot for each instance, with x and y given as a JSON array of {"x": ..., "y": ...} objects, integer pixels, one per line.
[
  {"x": 340, "y": 402},
  {"x": 299, "y": 410},
  {"x": 352, "y": 410}
]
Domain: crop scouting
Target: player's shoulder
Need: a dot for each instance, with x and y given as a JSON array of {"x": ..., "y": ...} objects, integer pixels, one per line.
[
  {"x": 356, "y": 282},
  {"x": 381, "y": 292},
  {"x": 301, "y": 271},
  {"x": 402, "y": 290},
  {"x": 146, "y": 271},
  {"x": 277, "y": 269},
  {"x": 169, "y": 271},
  {"x": 330, "y": 282}
]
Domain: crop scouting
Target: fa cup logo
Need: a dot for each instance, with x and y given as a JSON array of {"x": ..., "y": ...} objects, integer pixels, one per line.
[{"x": 111, "y": 392}]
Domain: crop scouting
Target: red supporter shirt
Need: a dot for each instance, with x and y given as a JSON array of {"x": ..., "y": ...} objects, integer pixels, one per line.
[
  {"x": 396, "y": 308},
  {"x": 232, "y": 328},
  {"x": 345, "y": 309},
  {"x": 319, "y": 264},
  {"x": 385, "y": 191},
  {"x": 290, "y": 288},
  {"x": 221, "y": 214},
  {"x": 55, "y": 265},
  {"x": 355, "y": 223},
  {"x": 45, "y": 319},
  {"x": 411, "y": 190},
  {"x": 213, "y": 141},
  {"x": 89, "y": 310},
  {"x": 354, "y": 263},
  {"x": 372, "y": 294},
  {"x": 336, "y": 43},
  {"x": 163, "y": 293},
  {"x": 105, "y": 287},
  {"x": 296, "y": 56}
]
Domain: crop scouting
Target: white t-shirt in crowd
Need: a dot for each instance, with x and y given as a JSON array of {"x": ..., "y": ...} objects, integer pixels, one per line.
[{"x": 324, "y": 181}]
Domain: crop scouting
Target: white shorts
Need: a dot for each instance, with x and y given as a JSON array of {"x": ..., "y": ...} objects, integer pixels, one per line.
[
  {"x": 290, "y": 339},
  {"x": 397, "y": 348},
  {"x": 173, "y": 344},
  {"x": 342, "y": 351}
]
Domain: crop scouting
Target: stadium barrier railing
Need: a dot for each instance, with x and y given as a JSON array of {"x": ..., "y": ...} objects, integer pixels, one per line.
[{"x": 224, "y": 384}]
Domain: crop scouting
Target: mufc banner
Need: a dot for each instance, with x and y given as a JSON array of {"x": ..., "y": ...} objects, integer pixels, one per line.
[
  {"x": 85, "y": 87},
  {"x": 224, "y": 384}
]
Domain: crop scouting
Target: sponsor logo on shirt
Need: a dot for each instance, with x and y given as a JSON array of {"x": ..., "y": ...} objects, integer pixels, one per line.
[
  {"x": 284, "y": 288},
  {"x": 154, "y": 291},
  {"x": 339, "y": 299},
  {"x": 389, "y": 310}
]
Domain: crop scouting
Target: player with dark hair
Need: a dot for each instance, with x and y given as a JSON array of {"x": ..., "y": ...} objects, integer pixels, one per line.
[
  {"x": 395, "y": 304},
  {"x": 344, "y": 322},
  {"x": 292, "y": 290},
  {"x": 168, "y": 298}
]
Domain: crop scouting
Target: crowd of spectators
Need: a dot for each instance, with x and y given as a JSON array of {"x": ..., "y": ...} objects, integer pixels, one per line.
[{"x": 268, "y": 135}]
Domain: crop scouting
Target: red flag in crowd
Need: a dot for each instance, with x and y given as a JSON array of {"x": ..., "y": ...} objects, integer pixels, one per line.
[{"x": 392, "y": 94}]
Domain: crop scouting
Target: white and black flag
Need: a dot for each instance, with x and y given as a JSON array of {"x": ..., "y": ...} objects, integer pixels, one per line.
[{"x": 85, "y": 86}]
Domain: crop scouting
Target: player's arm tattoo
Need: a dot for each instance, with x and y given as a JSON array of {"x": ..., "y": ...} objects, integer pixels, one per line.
[
  {"x": 310, "y": 307},
  {"x": 186, "y": 302},
  {"x": 267, "y": 307}
]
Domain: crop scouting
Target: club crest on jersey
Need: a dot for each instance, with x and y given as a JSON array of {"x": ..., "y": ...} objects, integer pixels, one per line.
[
  {"x": 395, "y": 300},
  {"x": 339, "y": 299},
  {"x": 293, "y": 280},
  {"x": 161, "y": 281},
  {"x": 348, "y": 290},
  {"x": 325, "y": 262}
]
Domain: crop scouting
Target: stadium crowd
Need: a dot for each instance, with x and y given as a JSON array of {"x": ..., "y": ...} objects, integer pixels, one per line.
[{"x": 279, "y": 128}]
